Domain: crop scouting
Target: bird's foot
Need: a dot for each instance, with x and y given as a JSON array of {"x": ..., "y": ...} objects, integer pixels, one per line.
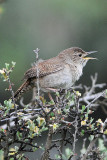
[{"x": 52, "y": 89}]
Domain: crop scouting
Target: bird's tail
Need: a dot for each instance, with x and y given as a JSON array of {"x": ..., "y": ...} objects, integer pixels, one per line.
[{"x": 23, "y": 88}]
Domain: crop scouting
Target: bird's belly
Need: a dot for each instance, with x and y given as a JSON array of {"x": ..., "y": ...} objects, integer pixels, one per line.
[{"x": 60, "y": 79}]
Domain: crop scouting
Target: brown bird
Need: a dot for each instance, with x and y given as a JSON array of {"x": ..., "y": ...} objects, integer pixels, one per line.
[{"x": 61, "y": 71}]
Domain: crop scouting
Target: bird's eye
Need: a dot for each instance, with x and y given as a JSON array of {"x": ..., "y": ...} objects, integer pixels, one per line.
[{"x": 80, "y": 55}]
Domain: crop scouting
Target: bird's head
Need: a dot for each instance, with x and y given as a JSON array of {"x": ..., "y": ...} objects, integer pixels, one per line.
[{"x": 78, "y": 56}]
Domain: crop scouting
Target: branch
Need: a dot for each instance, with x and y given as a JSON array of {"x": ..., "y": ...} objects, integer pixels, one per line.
[
  {"x": 92, "y": 143},
  {"x": 96, "y": 98},
  {"x": 45, "y": 155}
]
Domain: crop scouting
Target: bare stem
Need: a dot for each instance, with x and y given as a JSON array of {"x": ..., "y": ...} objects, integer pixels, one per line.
[
  {"x": 45, "y": 155},
  {"x": 38, "y": 88}
]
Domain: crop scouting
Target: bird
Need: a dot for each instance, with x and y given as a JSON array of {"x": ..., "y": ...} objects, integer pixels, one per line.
[{"x": 58, "y": 72}]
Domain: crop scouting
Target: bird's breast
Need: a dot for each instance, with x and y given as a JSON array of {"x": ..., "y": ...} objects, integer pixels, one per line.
[
  {"x": 76, "y": 73},
  {"x": 60, "y": 79}
]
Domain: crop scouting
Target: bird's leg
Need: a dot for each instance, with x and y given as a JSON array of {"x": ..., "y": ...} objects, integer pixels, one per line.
[
  {"x": 36, "y": 97},
  {"x": 34, "y": 94},
  {"x": 50, "y": 97},
  {"x": 52, "y": 89}
]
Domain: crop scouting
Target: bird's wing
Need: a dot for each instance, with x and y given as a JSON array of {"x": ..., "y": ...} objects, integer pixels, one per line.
[{"x": 45, "y": 68}]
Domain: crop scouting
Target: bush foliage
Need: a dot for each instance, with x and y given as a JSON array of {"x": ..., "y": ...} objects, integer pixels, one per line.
[{"x": 64, "y": 119}]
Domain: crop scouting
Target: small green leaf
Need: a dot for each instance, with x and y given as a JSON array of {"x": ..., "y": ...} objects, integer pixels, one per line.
[
  {"x": 83, "y": 108},
  {"x": 11, "y": 159},
  {"x": 101, "y": 145},
  {"x": 16, "y": 148},
  {"x": 34, "y": 149},
  {"x": 83, "y": 150},
  {"x": 13, "y": 64},
  {"x": 1, "y": 155},
  {"x": 7, "y": 66},
  {"x": 68, "y": 95},
  {"x": 19, "y": 135},
  {"x": 68, "y": 152},
  {"x": 51, "y": 102},
  {"x": 82, "y": 132},
  {"x": 82, "y": 117},
  {"x": 91, "y": 138},
  {"x": 1, "y": 107},
  {"x": 57, "y": 156},
  {"x": 91, "y": 120},
  {"x": 57, "y": 93},
  {"x": 87, "y": 110},
  {"x": 44, "y": 129},
  {"x": 52, "y": 114},
  {"x": 8, "y": 104}
]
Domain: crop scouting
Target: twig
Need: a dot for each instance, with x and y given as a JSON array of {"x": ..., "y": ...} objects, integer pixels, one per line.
[
  {"x": 45, "y": 155},
  {"x": 38, "y": 88},
  {"x": 97, "y": 97},
  {"x": 92, "y": 143},
  {"x": 75, "y": 125},
  {"x": 63, "y": 136}
]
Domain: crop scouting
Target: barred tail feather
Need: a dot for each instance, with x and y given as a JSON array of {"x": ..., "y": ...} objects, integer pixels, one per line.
[{"x": 23, "y": 88}]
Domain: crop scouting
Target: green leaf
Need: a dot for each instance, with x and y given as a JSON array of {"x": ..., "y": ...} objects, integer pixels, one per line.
[
  {"x": 57, "y": 93},
  {"x": 44, "y": 129},
  {"x": 57, "y": 156},
  {"x": 1, "y": 107},
  {"x": 87, "y": 110},
  {"x": 82, "y": 117},
  {"x": 8, "y": 104},
  {"x": 19, "y": 135},
  {"x": 34, "y": 149},
  {"x": 92, "y": 126},
  {"x": 83, "y": 150},
  {"x": 83, "y": 108},
  {"x": 51, "y": 102},
  {"x": 91, "y": 120},
  {"x": 73, "y": 97},
  {"x": 68, "y": 95},
  {"x": 16, "y": 148},
  {"x": 52, "y": 114},
  {"x": 1, "y": 155},
  {"x": 91, "y": 137},
  {"x": 68, "y": 152},
  {"x": 82, "y": 132},
  {"x": 101, "y": 145},
  {"x": 13, "y": 64},
  {"x": 7, "y": 66}
]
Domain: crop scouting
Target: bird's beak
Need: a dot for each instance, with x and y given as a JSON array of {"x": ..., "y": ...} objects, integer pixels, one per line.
[{"x": 87, "y": 53}]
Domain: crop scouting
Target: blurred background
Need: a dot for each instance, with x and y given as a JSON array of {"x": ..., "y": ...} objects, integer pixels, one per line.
[{"x": 51, "y": 26}]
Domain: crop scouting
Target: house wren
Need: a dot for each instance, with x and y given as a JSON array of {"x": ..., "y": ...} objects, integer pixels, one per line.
[{"x": 61, "y": 71}]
